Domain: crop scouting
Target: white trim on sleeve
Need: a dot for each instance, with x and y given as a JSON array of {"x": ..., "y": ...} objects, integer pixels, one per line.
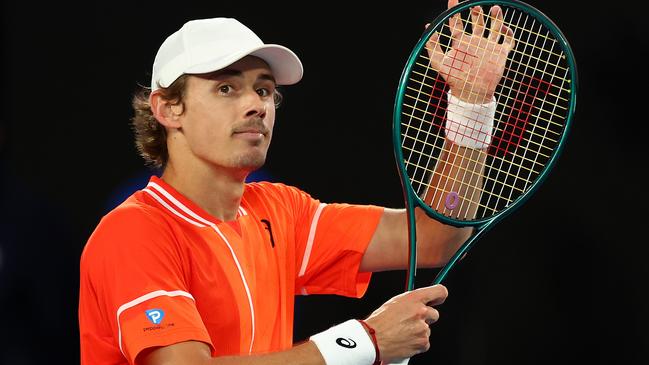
[
  {"x": 309, "y": 242},
  {"x": 142, "y": 299}
]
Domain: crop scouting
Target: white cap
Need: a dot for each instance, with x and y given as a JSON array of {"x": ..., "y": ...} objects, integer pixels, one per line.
[{"x": 208, "y": 45}]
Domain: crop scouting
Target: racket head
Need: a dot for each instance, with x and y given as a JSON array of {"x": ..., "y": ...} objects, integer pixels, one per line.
[{"x": 536, "y": 101}]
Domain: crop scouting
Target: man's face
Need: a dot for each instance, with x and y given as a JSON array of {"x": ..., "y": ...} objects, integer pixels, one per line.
[{"x": 229, "y": 115}]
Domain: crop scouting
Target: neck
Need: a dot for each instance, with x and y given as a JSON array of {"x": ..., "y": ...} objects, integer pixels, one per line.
[{"x": 216, "y": 191}]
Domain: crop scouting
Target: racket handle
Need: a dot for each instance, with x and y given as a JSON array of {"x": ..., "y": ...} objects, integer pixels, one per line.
[{"x": 402, "y": 362}]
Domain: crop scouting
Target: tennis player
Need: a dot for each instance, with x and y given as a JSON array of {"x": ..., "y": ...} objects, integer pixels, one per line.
[{"x": 200, "y": 267}]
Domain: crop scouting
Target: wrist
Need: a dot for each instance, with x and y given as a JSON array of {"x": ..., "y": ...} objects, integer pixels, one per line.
[
  {"x": 346, "y": 344},
  {"x": 469, "y": 125},
  {"x": 372, "y": 333},
  {"x": 472, "y": 97}
]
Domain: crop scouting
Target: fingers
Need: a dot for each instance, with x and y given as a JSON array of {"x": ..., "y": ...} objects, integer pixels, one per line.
[
  {"x": 455, "y": 23},
  {"x": 432, "y": 295},
  {"x": 499, "y": 28},
  {"x": 496, "y": 15},
  {"x": 477, "y": 21},
  {"x": 432, "y": 316},
  {"x": 457, "y": 26},
  {"x": 435, "y": 52},
  {"x": 441, "y": 293},
  {"x": 508, "y": 40}
]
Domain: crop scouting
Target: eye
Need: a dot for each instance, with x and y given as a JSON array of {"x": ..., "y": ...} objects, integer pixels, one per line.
[
  {"x": 225, "y": 89},
  {"x": 263, "y": 92}
]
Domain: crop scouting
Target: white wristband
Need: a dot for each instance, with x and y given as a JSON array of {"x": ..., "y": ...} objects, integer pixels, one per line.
[
  {"x": 345, "y": 344},
  {"x": 469, "y": 125}
]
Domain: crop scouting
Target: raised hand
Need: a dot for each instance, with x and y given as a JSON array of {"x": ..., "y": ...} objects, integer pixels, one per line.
[{"x": 475, "y": 62}]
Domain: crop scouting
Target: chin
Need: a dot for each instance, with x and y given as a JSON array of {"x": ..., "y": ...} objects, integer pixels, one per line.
[{"x": 252, "y": 162}]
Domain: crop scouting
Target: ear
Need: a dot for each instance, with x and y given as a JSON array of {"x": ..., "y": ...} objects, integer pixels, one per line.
[{"x": 166, "y": 113}]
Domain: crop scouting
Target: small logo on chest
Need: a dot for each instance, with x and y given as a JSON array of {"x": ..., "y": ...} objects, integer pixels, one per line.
[{"x": 266, "y": 223}]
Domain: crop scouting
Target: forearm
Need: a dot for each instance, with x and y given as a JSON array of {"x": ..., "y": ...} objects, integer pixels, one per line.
[
  {"x": 437, "y": 242},
  {"x": 198, "y": 353},
  {"x": 305, "y": 353},
  {"x": 455, "y": 190},
  {"x": 389, "y": 248},
  {"x": 456, "y": 183}
]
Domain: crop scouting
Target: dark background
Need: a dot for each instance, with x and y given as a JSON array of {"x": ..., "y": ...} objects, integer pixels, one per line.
[{"x": 563, "y": 280}]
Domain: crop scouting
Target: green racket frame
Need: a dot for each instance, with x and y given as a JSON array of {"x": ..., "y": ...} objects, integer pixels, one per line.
[{"x": 411, "y": 198}]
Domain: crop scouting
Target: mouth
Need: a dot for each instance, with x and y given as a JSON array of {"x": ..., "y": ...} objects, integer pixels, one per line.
[
  {"x": 252, "y": 130},
  {"x": 251, "y": 134},
  {"x": 254, "y": 135}
]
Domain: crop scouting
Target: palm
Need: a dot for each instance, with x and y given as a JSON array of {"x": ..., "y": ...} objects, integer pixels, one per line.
[{"x": 474, "y": 64}]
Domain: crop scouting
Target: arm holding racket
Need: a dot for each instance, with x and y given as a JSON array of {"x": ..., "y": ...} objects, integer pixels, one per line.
[
  {"x": 459, "y": 167},
  {"x": 482, "y": 111},
  {"x": 401, "y": 326},
  {"x": 470, "y": 69}
]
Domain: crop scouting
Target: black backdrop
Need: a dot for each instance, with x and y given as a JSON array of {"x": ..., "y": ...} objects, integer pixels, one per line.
[{"x": 563, "y": 280}]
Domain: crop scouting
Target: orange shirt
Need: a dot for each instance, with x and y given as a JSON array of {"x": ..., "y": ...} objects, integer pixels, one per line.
[{"x": 159, "y": 270}]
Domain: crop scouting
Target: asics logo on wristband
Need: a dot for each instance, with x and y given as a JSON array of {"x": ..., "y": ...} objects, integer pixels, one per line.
[{"x": 346, "y": 342}]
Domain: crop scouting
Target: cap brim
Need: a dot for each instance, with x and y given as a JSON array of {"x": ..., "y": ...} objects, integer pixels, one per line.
[{"x": 284, "y": 63}]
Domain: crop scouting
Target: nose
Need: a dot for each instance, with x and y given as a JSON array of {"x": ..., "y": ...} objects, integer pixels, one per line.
[{"x": 255, "y": 105}]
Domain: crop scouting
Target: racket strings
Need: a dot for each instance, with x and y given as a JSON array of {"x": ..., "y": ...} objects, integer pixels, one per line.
[
  {"x": 457, "y": 191},
  {"x": 445, "y": 34},
  {"x": 512, "y": 168},
  {"x": 456, "y": 183},
  {"x": 506, "y": 78},
  {"x": 436, "y": 150},
  {"x": 462, "y": 182},
  {"x": 425, "y": 58},
  {"x": 510, "y": 82},
  {"x": 500, "y": 115},
  {"x": 534, "y": 167},
  {"x": 538, "y": 71},
  {"x": 516, "y": 27},
  {"x": 439, "y": 89},
  {"x": 534, "y": 71},
  {"x": 530, "y": 120},
  {"x": 488, "y": 210}
]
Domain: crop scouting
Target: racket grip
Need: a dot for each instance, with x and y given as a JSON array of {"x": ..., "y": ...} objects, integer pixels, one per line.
[{"x": 402, "y": 362}]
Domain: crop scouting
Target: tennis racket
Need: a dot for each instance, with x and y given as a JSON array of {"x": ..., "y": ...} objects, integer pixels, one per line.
[{"x": 513, "y": 51}]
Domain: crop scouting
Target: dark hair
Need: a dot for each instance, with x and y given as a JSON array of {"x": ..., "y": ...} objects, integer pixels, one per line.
[{"x": 150, "y": 135}]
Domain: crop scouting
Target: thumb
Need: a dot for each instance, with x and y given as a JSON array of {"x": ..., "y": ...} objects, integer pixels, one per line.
[
  {"x": 435, "y": 52},
  {"x": 433, "y": 295}
]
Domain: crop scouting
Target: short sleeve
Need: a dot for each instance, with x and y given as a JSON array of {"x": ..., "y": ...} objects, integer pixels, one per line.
[
  {"x": 137, "y": 273},
  {"x": 331, "y": 249}
]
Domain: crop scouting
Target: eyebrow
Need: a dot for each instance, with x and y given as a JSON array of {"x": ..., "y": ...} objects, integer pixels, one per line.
[{"x": 236, "y": 73}]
